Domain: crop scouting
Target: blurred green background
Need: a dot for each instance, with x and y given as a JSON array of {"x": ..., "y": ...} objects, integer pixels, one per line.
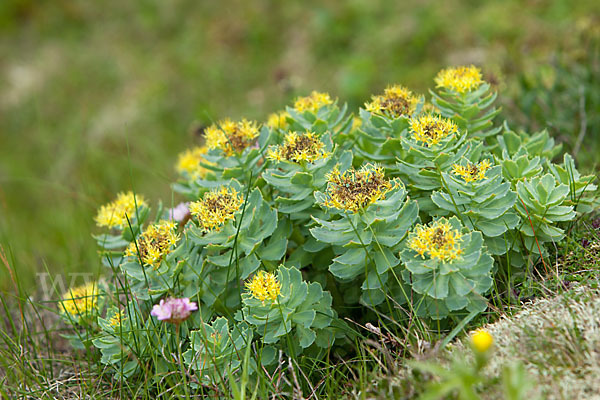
[{"x": 100, "y": 97}]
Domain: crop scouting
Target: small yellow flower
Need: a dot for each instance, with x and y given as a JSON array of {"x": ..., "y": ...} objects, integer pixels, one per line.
[
  {"x": 278, "y": 120},
  {"x": 216, "y": 208},
  {"x": 459, "y": 79},
  {"x": 395, "y": 101},
  {"x": 154, "y": 244},
  {"x": 313, "y": 102},
  {"x": 80, "y": 300},
  {"x": 482, "y": 340},
  {"x": 264, "y": 286},
  {"x": 231, "y": 137},
  {"x": 299, "y": 147},
  {"x": 115, "y": 214},
  {"x": 117, "y": 318},
  {"x": 431, "y": 129},
  {"x": 189, "y": 162},
  {"x": 438, "y": 240},
  {"x": 472, "y": 172},
  {"x": 354, "y": 190}
]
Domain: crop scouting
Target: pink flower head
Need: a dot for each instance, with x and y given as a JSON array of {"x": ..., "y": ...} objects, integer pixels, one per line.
[
  {"x": 179, "y": 212},
  {"x": 174, "y": 310}
]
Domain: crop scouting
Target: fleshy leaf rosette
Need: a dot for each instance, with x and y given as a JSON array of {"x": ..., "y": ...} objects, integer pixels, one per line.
[
  {"x": 478, "y": 192},
  {"x": 231, "y": 250},
  {"x": 368, "y": 218},
  {"x": 217, "y": 350},
  {"x": 290, "y": 308},
  {"x": 448, "y": 268},
  {"x": 540, "y": 204},
  {"x": 295, "y": 180},
  {"x": 319, "y": 113},
  {"x": 465, "y": 97}
]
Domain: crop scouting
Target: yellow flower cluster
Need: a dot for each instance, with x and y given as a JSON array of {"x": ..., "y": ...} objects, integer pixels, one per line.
[
  {"x": 482, "y": 340},
  {"x": 431, "y": 129},
  {"x": 298, "y": 148},
  {"x": 117, "y": 318},
  {"x": 231, "y": 137},
  {"x": 154, "y": 243},
  {"x": 395, "y": 101},
  {"x": 472, "y": 172},
  {"x": 438, "y": 240},
  {"x": 80, "y": 300},
  {"x": 312, "y": 102},
  {"x": 115, "y": 214},
  {"x": 459, "y": 79},
  {"x": 354, "y": 190},
  {"x": 189, "y": 162},
  {"x": 264, "y": 286},
  {"x": 216, "y": 207},
  {"x": 278, "y": 120}
]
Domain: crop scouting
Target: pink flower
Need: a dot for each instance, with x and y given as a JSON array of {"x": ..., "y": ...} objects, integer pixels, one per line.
[
  {"x": 173, "y": 310},
  {"x": 179, "y": 212}
]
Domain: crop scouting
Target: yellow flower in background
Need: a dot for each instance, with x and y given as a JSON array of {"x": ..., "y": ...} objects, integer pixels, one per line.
[
  {"x": 431, "y": 129},
  {"x": 353, "y": 190},
  {"x": 231, "y": 137},
  {"x": 216, "y": 208},
  {"x": 278, "y": 120},
  {"x": 299, "y": 147},
  {"x": 81, "y": 300},
  {"x": 154, "y": 244},
  {"x": 482, "y": 340},
  {"x": 439, "y": 241},
  {"x": 459, "y": 79},
  {"x": 395, "y": 101},
  {"x": 115, "y": 214},
  {"x": 472, "y": 172},
  {"x": 429, "y": 108},
  {"x": 313, "y": 102},
  {"x": 264, "y": 286},
  {"x": 189, "y": 162}
]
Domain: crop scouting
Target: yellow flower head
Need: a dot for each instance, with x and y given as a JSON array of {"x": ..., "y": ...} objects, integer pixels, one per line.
[
  {"x": 354, "y": 190},
  {"x": 431, "y": 129},
  {"x": 154, "y": 243},
  {"x": 117, "y": 318},
  {"x": 298, "y": 148},
  {"x": 81, "y": 300},
  {"x": 313, "y": 102},
  {"x": 278, "y": 120},
  {"x": 472, "y": 172},
  {"x": 189, "y": 162},
  {"x": 264, "y": 286},
  {"x": 231, "y": 137},
  {"x": 482, "y": 340},
  {"x": 459, "y": 79},
  {"x": 438, "y": 240},
  {"x": 115, "y": 214},
  {"x": 395, "y": 101},
  {"x": 216, "y": 207}
]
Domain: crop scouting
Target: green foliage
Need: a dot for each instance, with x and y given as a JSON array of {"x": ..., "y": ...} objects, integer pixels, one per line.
[
  {"x": 541, "y": 206},
  {"x": 444, "y": 286},
  {"x": 484, "y": 205},
  {"x": 216, "y": 351},
  {"x": 300, "y": 316},
  {"x": 414, "y": 246},
  {"x": 365, "y": 243},
  {"x": 472, "y": 111}
]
